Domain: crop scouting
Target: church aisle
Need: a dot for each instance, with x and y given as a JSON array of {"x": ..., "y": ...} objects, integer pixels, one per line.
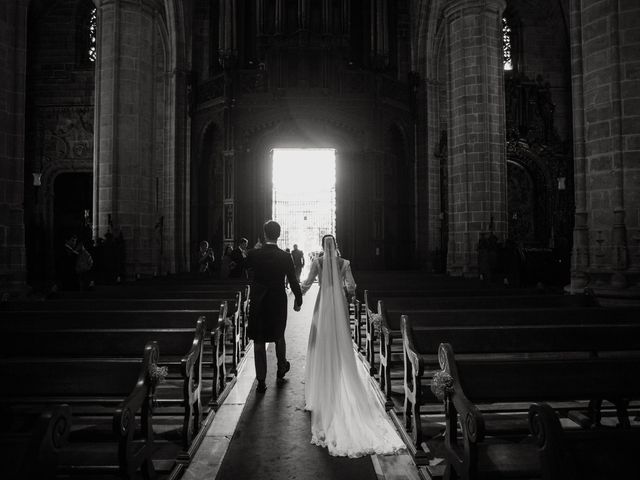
[{"x": 272, "y": 438}]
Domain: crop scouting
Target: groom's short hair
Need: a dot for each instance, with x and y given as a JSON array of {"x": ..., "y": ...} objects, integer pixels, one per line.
[{"x": 271, "y": 230}]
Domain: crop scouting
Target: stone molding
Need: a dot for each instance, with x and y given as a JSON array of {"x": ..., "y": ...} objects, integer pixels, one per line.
[
  {"x": 461, "y": 7},
  {"x": 149, "y": 4}
]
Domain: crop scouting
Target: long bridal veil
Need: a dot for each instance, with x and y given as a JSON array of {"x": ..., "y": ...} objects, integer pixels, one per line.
[{"x": 346, "y": 417}]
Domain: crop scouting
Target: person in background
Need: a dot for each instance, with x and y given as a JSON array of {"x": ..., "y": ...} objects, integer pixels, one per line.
[
  {"x": 298, "y": 260},
  {"x": 239, "y": 255},
  {"x": 69, "y": 277},
  {"x": 205, "y": 258},
  {"x": 286, "y": 281},
  {"x": 84, "y": 265},
  {"x": 226, "y": 264}
]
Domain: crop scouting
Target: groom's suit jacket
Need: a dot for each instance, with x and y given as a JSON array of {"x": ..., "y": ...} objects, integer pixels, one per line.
[{"x": 268, "y": 298}]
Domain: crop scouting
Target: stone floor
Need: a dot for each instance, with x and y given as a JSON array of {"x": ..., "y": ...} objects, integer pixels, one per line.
[{"x": 267, "y": 437}]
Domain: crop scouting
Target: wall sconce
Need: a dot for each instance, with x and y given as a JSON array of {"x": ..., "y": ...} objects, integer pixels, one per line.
[
  {"x": 37, "y": 179},
  {"x": 562, "y": 183}
]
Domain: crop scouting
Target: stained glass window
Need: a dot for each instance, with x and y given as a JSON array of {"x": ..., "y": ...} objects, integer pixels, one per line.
[
  {"x": 506, "y": 45},
  {"x": 92, "y": 27}
]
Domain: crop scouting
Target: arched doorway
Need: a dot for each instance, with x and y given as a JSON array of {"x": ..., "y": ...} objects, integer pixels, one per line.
[{"x": 73, "y": 193}]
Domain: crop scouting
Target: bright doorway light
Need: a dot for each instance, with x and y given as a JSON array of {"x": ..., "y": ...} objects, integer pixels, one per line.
[{"x": 304, "y": 196}]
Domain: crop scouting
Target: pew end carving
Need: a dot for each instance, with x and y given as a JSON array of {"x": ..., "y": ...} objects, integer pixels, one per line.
[
  {"x": 191, "y": 372},
  {"x": 131, "y": 457}
]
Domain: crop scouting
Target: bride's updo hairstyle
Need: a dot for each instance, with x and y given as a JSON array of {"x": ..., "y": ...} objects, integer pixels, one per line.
[{"x": 329, "y": 236}]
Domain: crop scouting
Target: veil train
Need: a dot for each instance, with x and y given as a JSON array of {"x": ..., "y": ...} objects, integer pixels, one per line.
[{"x": 346, "y": 417}]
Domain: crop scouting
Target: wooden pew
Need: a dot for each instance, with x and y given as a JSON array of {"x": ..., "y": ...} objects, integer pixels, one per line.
[
  {"x": 593, "y": 454},
  {"x": 524, "y": 309},
  {"x": 150, "y": 291},
  {"x": 525, "y": 377},
  {"x": 233, "y": 299},
  {"x": 371, "y": 297},
  {"x": 30, "y": 443},
  {"x": 359, "y": 320},
  {"x": 182, "y": 354},
  {"x": 421, "y": 345},
  {"x": 129, "y": 391},
  {"x": 135, "y": 319}
]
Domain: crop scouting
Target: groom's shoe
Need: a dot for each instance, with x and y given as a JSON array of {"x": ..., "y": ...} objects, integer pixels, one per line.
[
  {"x": 262, "y": 387},
  {"x": 282, "y": 372}
]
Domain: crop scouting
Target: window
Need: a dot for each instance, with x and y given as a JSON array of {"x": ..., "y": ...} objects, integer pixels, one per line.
[
  {"x": 506, "y": 45},
  {"x": 86, "y": 34},
  {"x": 92, "y": 27}
]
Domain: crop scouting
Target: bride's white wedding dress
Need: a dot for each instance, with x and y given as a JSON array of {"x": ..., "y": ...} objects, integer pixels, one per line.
[{"x": 346, "y": 417}]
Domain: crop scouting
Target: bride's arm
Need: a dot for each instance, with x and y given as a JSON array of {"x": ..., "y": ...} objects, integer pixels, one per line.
[
  {"x": 313, "y": 273},
  {"x": 349, "y": 281}
]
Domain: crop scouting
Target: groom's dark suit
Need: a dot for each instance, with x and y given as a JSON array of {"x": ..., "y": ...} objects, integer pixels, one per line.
[{"x": 268, "y": 300}]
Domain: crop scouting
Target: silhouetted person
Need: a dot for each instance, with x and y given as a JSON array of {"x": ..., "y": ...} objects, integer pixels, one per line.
[
  {"x": 226, "y": 264},
  {"x": 69, "y": 276},
  {"x": 238, "y": 256},
  {"x": 492, "y": 247},
  {"x": 298, "y": 260},
  {"x": 268, "y": 302},
  {"x": 483, "y": 257},
  {"x": 205, "y": 258}
]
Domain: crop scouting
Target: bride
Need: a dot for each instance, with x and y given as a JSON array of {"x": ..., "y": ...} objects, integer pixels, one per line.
[{"x": 345, "y": 414}]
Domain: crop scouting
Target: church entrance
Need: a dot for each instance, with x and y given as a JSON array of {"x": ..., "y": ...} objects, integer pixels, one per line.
[{"x": 304, "y": 196}]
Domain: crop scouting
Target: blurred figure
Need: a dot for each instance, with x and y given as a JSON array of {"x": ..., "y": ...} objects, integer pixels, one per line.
[
  {"x": 226, "y": 264},
  {"x": 84, "y": 264},
  {"x": 205, "y": 258},
  {"x": 68, "y": 275},
  {"x": 298, "y": 260},
  {"x": 239, "y": 255}
]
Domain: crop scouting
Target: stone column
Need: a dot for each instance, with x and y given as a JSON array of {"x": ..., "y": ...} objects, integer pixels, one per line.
[
  {"x": 303, "y": 15},
  {"x": 606, "y": 99},
  {"x": 125, "y": 192},
  {"x": 13, "y": 43},
  {"x": 279, "y": 17},
  {"x": 379, "y": 33},
  {"x": 476, "y": 130}
]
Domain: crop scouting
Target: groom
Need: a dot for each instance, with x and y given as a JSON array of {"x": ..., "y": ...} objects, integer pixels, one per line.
[{"x": 268, "y": 302}]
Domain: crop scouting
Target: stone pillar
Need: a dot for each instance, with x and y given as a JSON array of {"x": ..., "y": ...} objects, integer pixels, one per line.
[
  {"x": 303, "y": 14},
  {"x": 125, "y": 193},
  {"x": 326, "y": 17},
  {"x": 13, "y": 42},
  {"x": 379, "y": 33},
  {"x": 279, "y": 17},
  {"x": 227, "y": 41},
  {"x": 606, "y": 100},
  {"x": 476, "y": 129}
]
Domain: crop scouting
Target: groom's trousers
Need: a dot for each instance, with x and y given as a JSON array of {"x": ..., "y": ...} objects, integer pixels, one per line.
[{"x": 260, "y": 352}]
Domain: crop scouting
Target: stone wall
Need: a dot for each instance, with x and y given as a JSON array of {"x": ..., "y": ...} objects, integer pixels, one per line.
[
  {"x": 13, "y": 17},
  {"x": 59, "y": 124},
  {"x": 605, "y": 41}
]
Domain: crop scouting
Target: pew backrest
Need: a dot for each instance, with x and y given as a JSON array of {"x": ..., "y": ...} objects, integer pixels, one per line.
[
  {"x": 112, "y": 319},
  {"x": 175, "y": 342},
  {"x": 513, "y": 316}
]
